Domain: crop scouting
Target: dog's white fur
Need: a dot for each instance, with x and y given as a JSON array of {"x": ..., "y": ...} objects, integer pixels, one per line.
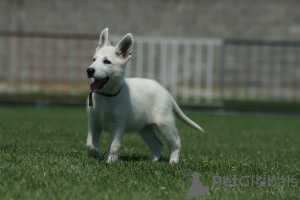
[{"x": 142, "y": 105}]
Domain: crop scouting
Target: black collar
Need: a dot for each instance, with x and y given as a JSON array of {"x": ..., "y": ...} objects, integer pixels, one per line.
[
  {"x": 104, "y": 94},
  {"x": 110, "y": 95}
]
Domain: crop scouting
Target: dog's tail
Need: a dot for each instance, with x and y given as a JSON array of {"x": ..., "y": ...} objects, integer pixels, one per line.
[{"x": 184, "y": 118}]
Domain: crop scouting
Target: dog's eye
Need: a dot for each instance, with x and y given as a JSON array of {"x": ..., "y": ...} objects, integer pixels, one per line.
[
  {"x": 94, "y": 59},
  {"x": 105, "y": 61}
]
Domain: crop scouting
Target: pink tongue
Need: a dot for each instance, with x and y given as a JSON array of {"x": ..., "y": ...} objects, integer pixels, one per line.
[{"x": 95, "y": 85}]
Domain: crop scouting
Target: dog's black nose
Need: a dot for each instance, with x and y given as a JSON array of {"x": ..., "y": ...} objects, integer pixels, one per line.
[{"x": 90, "y": 71}]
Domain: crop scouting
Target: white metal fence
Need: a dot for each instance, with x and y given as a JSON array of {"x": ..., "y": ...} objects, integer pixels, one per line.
[
  {"x": 183, "y": 66},
  {"x": 195, "y": 71},
  {"x": 260, "y": 70}
]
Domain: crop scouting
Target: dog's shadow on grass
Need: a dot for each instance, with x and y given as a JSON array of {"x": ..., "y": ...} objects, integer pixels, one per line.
[
  {"x": 137, "y": 158},
  {"x": 133, "y": 158}
]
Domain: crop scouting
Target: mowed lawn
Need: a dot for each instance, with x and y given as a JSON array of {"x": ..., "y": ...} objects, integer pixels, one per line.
[{"x": 43, "y": 156}]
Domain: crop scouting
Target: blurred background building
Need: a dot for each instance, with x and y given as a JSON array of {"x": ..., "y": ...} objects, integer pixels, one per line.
[
  {"x": 257, "y": 19},
  {"x": 222, "y": 53}
]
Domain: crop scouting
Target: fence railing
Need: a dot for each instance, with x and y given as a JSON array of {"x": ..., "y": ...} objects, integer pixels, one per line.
[
  {"x": 195, "y": 71},
  {"x": 260, "y": 70},
  {"x": 185, "y": 67}
]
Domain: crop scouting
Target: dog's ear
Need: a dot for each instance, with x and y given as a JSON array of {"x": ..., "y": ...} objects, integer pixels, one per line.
[
  {"x": 124, "y": 47},
  {"x": 103, "y": 41}
]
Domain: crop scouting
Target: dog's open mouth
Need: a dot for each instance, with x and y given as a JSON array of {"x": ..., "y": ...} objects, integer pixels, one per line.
[{"x": 98, "y": 84}]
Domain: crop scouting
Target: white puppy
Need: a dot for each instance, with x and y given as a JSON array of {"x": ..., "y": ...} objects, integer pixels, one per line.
[{"x": 119, "y": 105}]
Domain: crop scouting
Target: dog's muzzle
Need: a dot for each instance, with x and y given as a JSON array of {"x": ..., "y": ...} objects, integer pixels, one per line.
[{"x": 90, "y": 72}]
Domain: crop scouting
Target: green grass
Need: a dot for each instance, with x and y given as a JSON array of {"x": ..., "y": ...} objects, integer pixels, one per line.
[{"x": 43, "y": 156}]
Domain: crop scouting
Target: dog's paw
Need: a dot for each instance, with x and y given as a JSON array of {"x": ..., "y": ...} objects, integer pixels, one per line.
[
  {"x": 154, "y": 158},
  {"x": 111, "y": 159},
  {"x": 174, "y": 161},
  {"x": 93, "y": 153}
]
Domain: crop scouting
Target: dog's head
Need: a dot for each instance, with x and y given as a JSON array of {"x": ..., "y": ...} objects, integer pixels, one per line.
[{"x": 108, "y": 61}]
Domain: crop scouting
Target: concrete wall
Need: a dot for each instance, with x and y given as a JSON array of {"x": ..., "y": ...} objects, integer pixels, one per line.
[{"x": 259, "y": 19}]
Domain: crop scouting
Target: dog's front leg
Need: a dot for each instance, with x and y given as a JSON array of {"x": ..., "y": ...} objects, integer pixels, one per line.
[
  {"x": 113, "y": 149},
  {"x": 93, "y": 139}
]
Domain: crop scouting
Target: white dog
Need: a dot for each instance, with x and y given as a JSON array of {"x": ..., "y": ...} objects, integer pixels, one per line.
[{"x": 120, "y": 105}]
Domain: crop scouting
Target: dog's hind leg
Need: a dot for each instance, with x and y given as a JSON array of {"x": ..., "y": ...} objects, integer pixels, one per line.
[
  {"x": 92, "y": 140},
  {"x": 155, "y": 145},
  {"x": 169, "y": 132}
]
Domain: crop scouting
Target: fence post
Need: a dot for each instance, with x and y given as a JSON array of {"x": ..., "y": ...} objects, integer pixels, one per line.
[
  {"x": 247, "y": 72},
  {"x": 271, "y": 66},
  {"x": 139, "y": 58},
  {"x": 174, "y": 67},
  {"x": 163, "y": 63},
  {"x": 222, "y": 73},
  {"x": 296, "y": 65},
  {"x": 282, "y": 64},
  {"x": 209, "y": 73},
  {"x": 259, "y": 72},
  {"x": 7, "y": 63},
  {"x": 197, "y": 75},
  {"x": 151, "y": 59},
  {"x": 186, "y": 72}
]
